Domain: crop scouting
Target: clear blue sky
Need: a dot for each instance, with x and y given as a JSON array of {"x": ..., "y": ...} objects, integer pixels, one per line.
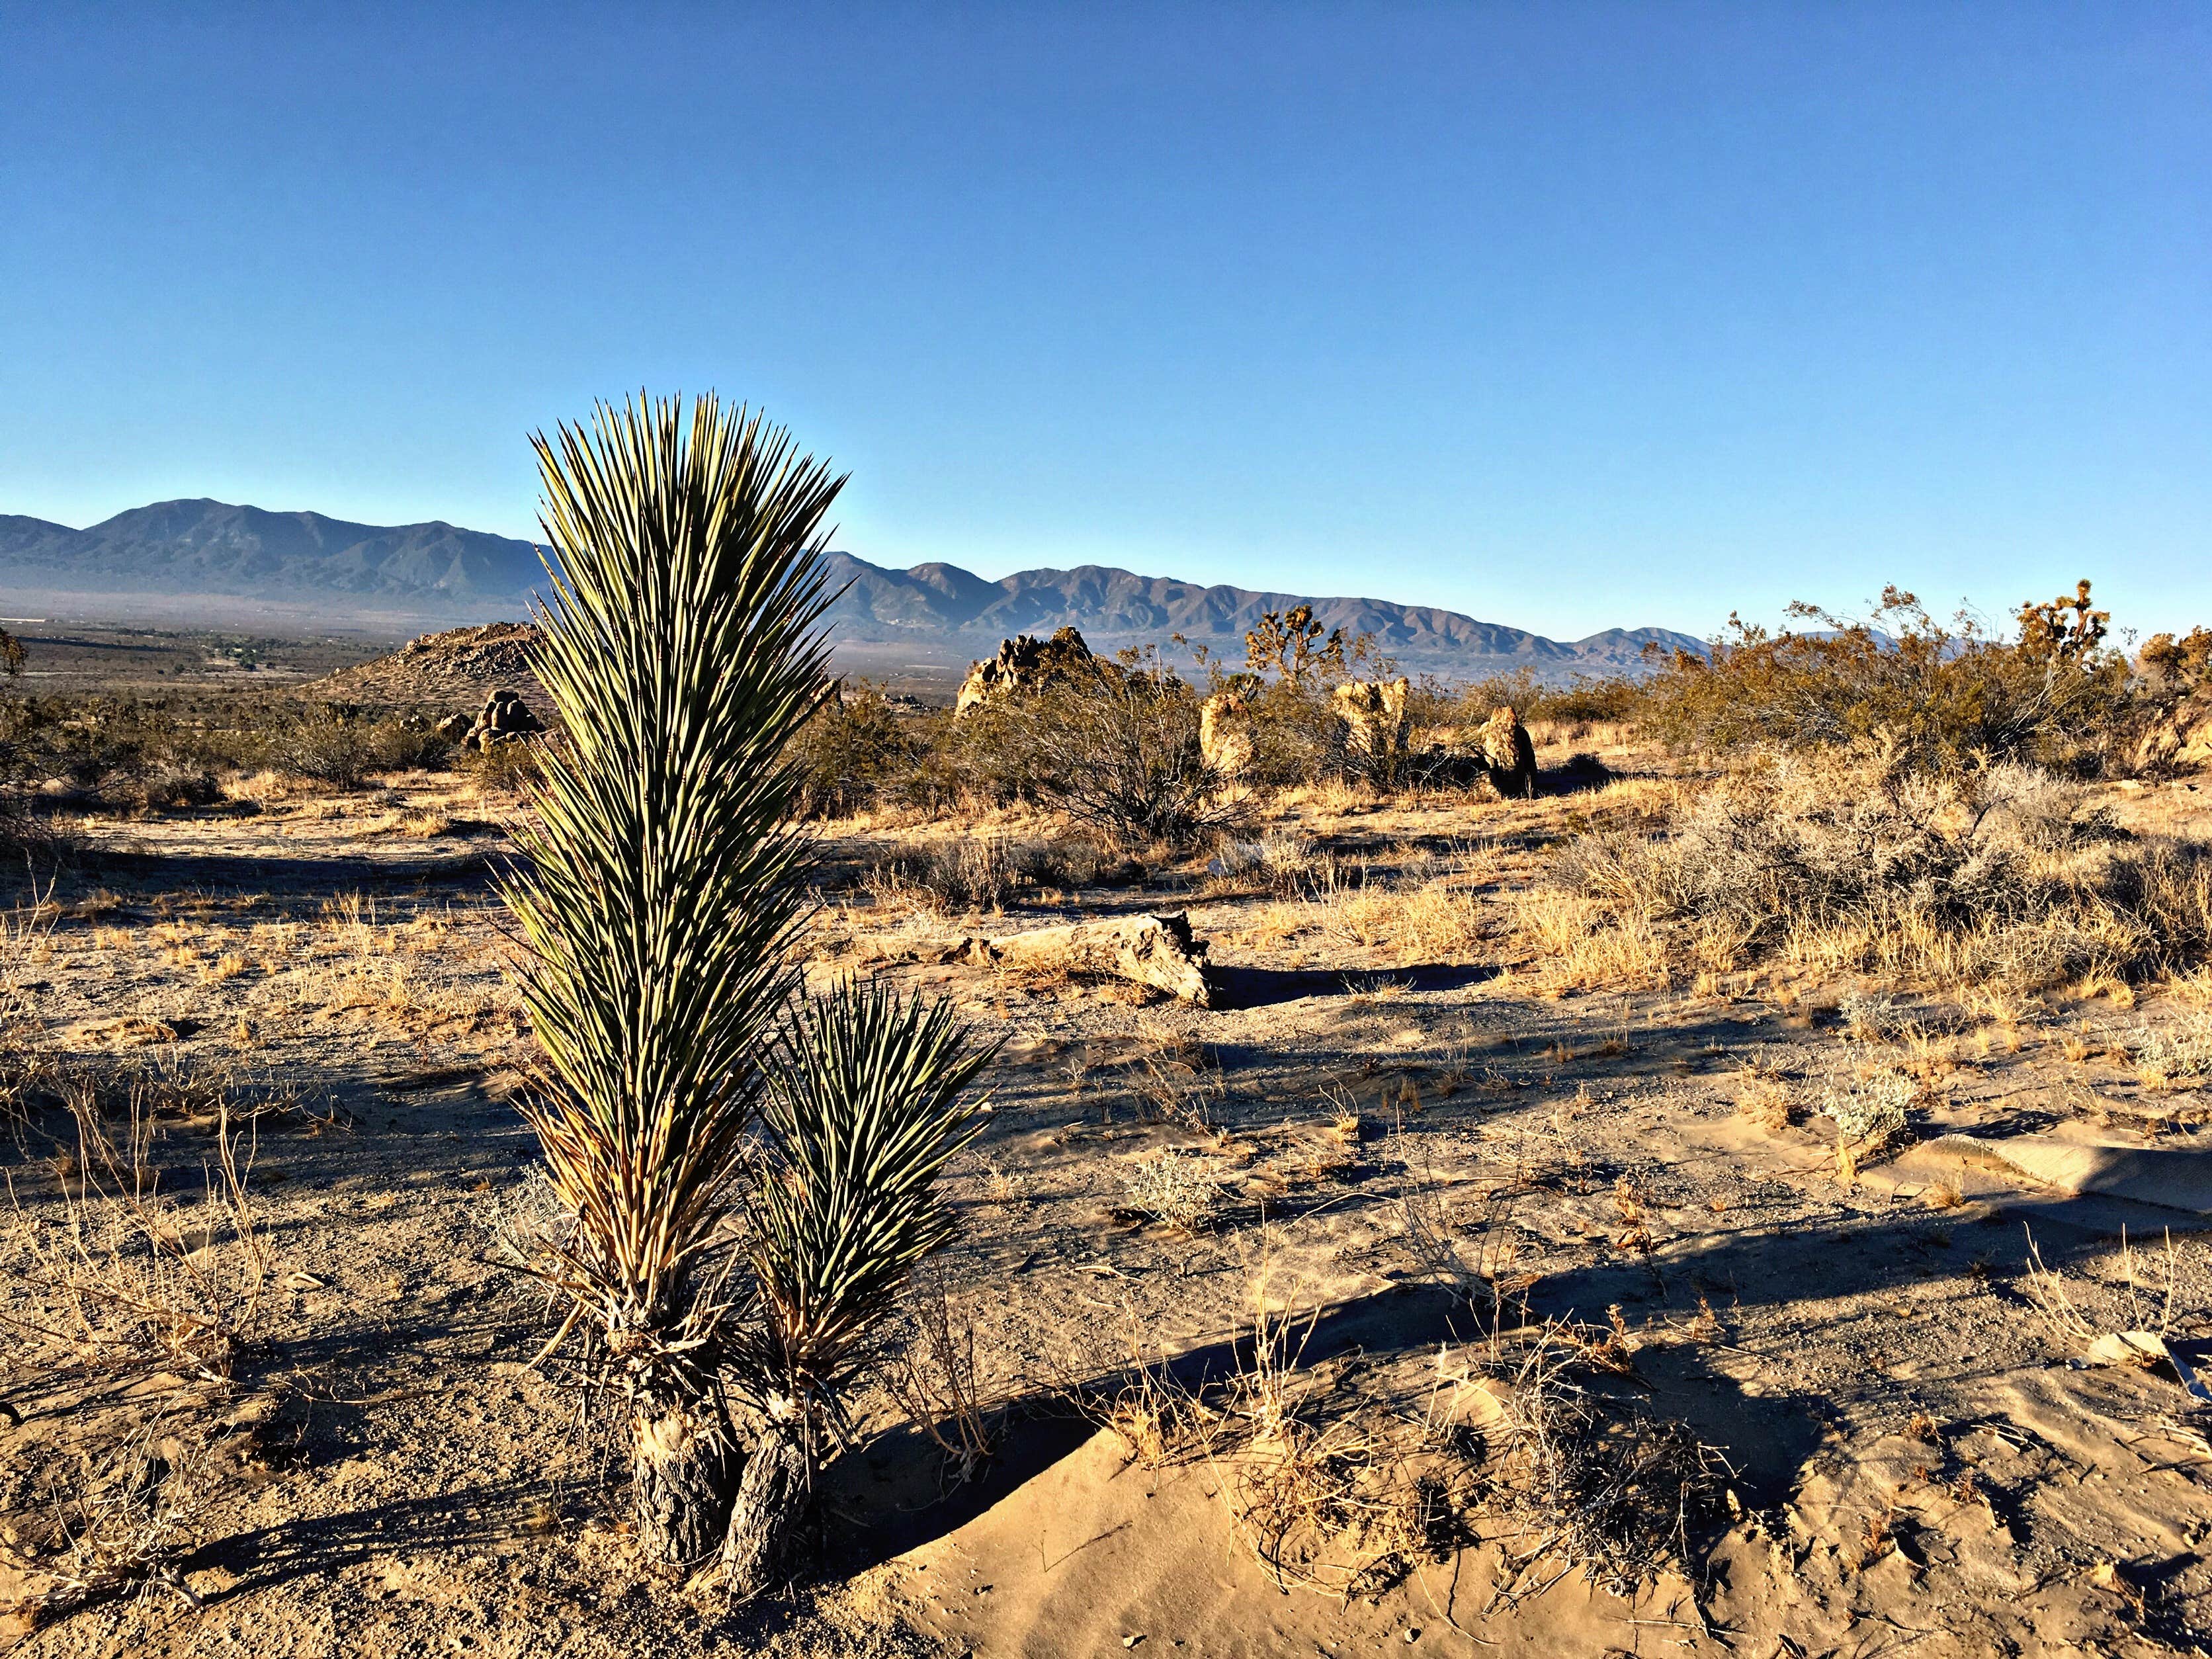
[{"x": 1565, "y": 315}]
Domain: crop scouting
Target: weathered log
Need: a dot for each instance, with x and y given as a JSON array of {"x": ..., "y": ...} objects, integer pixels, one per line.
[{"x": 1158, "y": 951}]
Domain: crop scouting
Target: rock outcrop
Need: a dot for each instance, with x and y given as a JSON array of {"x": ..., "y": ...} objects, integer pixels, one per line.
[
  {"x": 453, "y": 670},
  {"x": 1023, "y": 664},
  {"x": 1508, "y": 754},
  {"x": 1371, "y": 720},
  {"x": 1224, "y": 734}
]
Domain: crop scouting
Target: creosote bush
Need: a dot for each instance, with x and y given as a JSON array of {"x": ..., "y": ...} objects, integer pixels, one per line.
[
  {"x": 1116, "y": 747},
  {"x": 861, "y": 749},
  {"x": 1939, "y": 693}
]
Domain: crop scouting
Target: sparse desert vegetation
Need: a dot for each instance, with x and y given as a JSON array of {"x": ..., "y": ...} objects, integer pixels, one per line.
[{"x": 1413, "y": 1192}]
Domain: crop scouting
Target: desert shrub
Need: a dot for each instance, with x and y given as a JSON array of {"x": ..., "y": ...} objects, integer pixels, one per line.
[
  {"x": 1182, "y": 1189},
  {"x": 1939, "y": 693},
  {"x": 1296, "y": 737},
  {"x": 1116, "y": 747},
  {"x": 858, "y": 751},
  {"x": 505, "y": 769},
  {"x": 1871, "y": 1111},
  {"x": 1584, "y": 699},
  {"x": 409, "y": 742},
  {"x": 329, "y": 746},
  {"x": 90, "y": 744},
  {"x": 177, "y": 784},
  {"x": 1994, "y": 874},
  {"x": 343, "y": 747},
  {"x": 2178, "y": 1056},
  {"x": 982, "y": 873},
  {"x": 1597, "y": 1482}
]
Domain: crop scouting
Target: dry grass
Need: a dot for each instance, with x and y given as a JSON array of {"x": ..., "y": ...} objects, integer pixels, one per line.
[
  {"x": 1434, "y": 923},
  {"x": 978, "y": 873},
  {"x": 2077, "y": 1312},
  {"x": 1340, "y": 1502},
  {"x": 2001, "y": 876},
  {"x": 116, "y": 1519},
  {"x": 1469, "y": 1247},
  {"x": 1583, "y": 944},
  {"x": 934, "y": 1376},
  {"x": 113, "y": 1276},
  {"x": 1595, "y": 1484}
]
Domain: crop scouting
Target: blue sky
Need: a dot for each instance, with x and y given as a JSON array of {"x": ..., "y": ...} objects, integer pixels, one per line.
[{"x": 1565, "y": 315}]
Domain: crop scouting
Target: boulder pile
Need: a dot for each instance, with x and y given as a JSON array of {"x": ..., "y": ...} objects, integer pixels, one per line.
[
  {"x": 505, "y": 718},
  {"x": 1023, "y": 664}
]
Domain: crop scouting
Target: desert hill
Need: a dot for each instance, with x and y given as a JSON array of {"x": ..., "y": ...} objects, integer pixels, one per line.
[{"x": 452, "y": 672}]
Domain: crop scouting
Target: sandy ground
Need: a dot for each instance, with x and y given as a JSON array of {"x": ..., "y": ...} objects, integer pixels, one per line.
[{"x": 1917, "y": 1459}]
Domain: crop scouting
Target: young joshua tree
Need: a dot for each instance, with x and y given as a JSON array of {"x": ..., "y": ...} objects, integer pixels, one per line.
[{"x": 665, "y": 891}]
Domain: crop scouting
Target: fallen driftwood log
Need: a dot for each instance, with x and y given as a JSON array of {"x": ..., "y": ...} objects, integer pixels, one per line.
[{"x": 1157, "y": 950}]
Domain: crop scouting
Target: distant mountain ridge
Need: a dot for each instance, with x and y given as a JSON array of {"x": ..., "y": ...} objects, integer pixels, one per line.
[{"x": 213, "y": 548}]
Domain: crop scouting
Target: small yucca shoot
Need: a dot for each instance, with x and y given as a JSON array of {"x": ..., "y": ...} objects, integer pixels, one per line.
[{"x": 864, "y": 1105}]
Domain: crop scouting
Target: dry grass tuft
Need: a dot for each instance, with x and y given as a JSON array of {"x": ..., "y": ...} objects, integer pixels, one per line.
[
  {"x": 1608, "y": 1489},
  {"x": 115, "y": 1276},
  {"x": 934, "y": 1376},
  {"x": 114, "y": 1521}
]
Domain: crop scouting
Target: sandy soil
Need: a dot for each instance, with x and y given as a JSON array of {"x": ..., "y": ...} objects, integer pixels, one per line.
[{"x": 1917, "y": 1459}]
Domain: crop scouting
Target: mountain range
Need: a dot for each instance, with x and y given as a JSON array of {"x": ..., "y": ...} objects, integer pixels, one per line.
[{"x": 437, "y": 570}]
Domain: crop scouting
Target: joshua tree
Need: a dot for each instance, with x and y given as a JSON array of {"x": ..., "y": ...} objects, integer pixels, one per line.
[
  {"x": 708, "y": 1265},
  {"x": 1292, "y": 645}
]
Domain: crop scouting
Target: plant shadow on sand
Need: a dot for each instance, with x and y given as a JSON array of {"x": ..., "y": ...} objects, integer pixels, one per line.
[{"x": 1766, "y": 1436}]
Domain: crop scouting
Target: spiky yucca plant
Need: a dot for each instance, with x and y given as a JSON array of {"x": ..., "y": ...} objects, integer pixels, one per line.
[
  {"x": 663, "y": 894},
  {"x": 865, "y": 1106}
]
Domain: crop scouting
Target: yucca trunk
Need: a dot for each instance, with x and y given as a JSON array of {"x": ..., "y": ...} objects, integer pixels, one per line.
[
  {"x": 766, "y": 1517},
  {"x": 684, "y": 1476}
]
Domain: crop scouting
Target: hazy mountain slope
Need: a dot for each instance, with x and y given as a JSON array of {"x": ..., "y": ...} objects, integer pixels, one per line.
[
  {"x": 212, "y": 547},
  {"x": 203, "y": 547}
]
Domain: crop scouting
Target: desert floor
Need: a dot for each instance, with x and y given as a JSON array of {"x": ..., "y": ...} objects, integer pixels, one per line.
[{"x": 1921, "y": 1453}]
